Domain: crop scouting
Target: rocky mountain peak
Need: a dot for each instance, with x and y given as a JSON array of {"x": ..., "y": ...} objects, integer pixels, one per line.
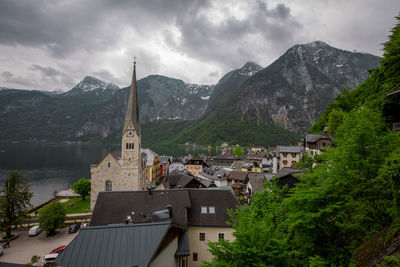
[
  {"x": 90, "y": 83},
  {"x": 249, "y": 69}
]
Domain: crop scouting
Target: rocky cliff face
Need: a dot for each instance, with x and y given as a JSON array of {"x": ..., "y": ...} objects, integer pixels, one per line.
[
  {"x": 230, "y": 84},
  {"x": 290, "y": 93},
  {"x": 294, "y": 90}
]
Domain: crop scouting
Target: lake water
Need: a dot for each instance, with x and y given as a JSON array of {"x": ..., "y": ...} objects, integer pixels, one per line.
[{"x": 49, "y": 168}]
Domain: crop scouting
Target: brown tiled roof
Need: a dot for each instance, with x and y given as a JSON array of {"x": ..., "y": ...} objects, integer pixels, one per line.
[
  {"x": 238, "y": 175},
  {"x": 113, "y": 207},
  {"x": 237, "y": 165},
  {"x": 257, "y": 181}
]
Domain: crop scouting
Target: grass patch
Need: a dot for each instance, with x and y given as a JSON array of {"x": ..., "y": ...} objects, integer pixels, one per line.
[{"x": 75, "y": 205}]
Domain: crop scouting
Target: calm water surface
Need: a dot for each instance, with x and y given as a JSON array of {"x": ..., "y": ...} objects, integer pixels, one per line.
[{"x": 49, "y": 168}]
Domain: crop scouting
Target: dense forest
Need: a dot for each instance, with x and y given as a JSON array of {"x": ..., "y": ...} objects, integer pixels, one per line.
[{"x": 339, "y": 205}]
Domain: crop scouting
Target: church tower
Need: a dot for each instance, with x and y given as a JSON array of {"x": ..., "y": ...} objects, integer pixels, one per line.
[
  {"x": 131, "y": 160},
  {"x": 122, "y": 171}
]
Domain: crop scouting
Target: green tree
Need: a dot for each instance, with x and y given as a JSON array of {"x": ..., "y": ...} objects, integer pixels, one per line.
[
  {"x": 82, "y": 187},
  {"x": 51, "y": 217},
  {"x": 340, "y": 204},
  {"x": 237, "y": 151},
  {"x": 334, "y": 120},
  {"x": 15, "y": 197}
]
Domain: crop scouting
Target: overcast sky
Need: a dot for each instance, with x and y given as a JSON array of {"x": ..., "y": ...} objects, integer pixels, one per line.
[{"x": 53, "y": 44}]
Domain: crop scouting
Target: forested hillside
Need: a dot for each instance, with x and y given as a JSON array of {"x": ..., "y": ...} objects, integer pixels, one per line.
[{"x": 353, "y": 194}]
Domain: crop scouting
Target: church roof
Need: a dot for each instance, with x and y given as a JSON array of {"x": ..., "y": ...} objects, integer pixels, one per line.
[{"x": 132, "y": 112}]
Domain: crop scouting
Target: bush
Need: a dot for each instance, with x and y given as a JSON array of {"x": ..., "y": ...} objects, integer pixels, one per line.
[{"x": 52, "y": 217}]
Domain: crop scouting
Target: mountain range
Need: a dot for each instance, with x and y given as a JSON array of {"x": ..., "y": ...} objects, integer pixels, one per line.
[{"x": 249, "y": 105}]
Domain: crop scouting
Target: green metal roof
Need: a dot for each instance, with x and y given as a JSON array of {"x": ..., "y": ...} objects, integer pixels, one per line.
[{"x": 115, "y": 245}]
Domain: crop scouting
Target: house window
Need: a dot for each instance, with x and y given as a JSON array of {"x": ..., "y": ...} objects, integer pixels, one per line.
[
  {"x": 202, "y": 236},
  {"x": 294, "y": 155},
  {"x": 195, "y": 256},
  {"x": 323, "y": 144},
  {"x": 285, "y": 162},
  {"x": 293, "y": 162},
  {"x": 221, "y": 236},
  {"x": 109, "y": 165},
  {"x": 203, "y": 209},
  {"x": 108, "y": 186},
  {"x": 211, "y": 209},
  {"x": 285, "y": 154}
]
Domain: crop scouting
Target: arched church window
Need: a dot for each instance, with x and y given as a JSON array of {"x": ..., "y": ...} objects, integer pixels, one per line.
[
  {"x": 133, "y": 145},
  {"x": 109, "y": 165},
  {"x": 127, "y": 146},
  {"x": 108, "y": 186}
]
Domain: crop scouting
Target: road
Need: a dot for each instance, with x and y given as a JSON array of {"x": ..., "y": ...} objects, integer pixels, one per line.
[{"x": 24, "y": 247}]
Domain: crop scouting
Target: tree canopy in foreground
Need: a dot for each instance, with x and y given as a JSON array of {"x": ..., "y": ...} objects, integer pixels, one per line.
[
  {"x": 350, "y": 196},
  {"x": 15, "y": 197}
]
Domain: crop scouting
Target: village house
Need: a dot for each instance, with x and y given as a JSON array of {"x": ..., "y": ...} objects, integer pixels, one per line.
[
  {"x": 287, "y": 156},
  {"x": 217, "y": 177},
  {"x": 262, "y": 159},
  {"x": 202, "y": 213},
  {"x": 225, "y": 149},
  {"x": 180, "y": 179},
  {"x": 176, "y": 165},
  {"x": 315, "y": 144},
  {"x": 195, "y": 165},
  {"x": 165, "y": 161},
  {"x": 257, "y": 149},
  {"x": 122, "y": 170},
  {"x": 153, "y": 168},
  {"x": 222, "y": 161}
]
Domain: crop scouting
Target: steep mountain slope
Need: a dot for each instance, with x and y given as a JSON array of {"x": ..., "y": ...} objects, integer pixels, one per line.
[
  {"x": 230, "y": 83},
  {"x": 294, "y": 90},
  {"x": 288, "y": 95},
  {"x": 94, "y": 109}
]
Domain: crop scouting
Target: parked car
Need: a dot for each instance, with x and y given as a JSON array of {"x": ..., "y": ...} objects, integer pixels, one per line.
[
  {"x": 35, "y": 230},
  {"x": 74, "y": 228},
  {"x": 58, "y": 250},
  {"x": 51, "y": 257}
]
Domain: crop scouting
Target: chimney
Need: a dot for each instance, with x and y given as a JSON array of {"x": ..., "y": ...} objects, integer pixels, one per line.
[{"x": 169, "y": 208}]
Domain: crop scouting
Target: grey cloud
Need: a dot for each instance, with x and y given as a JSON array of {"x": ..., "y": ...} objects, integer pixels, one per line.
[
  {"x": 214, "y": 74},
  {"x": 220, "y": 43},
  {"x": 47, "y": 71},
  {"x": 8, "y": 77},
  {"x": 52, "y": 74}
]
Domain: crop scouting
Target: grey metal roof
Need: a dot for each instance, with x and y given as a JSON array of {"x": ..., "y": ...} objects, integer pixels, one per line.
[
  {"x": 289, "y": 171},
  {"x": 117, "y": 245},
  {"x": 311, "y": 138},
  {"x": 289, "y": 149}
]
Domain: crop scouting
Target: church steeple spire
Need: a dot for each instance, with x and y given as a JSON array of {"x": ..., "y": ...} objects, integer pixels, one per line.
[{"x": 132, "y": 112}]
